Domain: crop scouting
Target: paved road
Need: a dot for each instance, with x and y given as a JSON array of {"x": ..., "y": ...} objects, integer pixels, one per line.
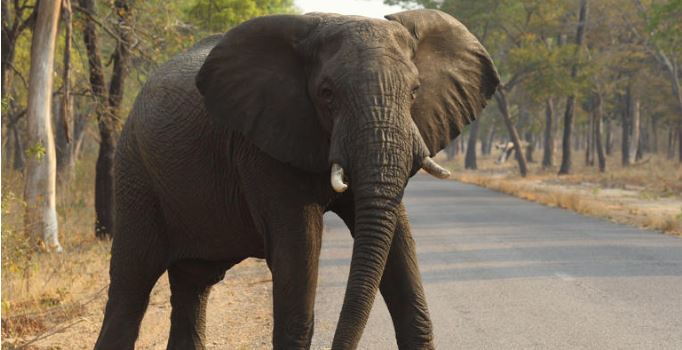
[{"x": 503, "y": 273}]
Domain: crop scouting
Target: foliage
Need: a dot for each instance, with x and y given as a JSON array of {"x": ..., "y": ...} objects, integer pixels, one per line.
[
  {"x": 220, "y": 15},
  {"x": 532, "y": 44},
  {"x": 665, "y": 24}
]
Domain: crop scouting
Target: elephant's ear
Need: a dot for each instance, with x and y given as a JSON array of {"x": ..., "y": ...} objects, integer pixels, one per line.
[
  {"x": 254, "y": 82},
  {"x": 456, "y": 73}
]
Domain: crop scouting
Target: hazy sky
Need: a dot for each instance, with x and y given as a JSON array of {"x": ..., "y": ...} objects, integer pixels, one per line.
[{"x": 367, "y": 8}]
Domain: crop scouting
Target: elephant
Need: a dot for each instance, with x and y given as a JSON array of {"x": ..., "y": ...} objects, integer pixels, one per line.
[{"x": 238, "y": 146}]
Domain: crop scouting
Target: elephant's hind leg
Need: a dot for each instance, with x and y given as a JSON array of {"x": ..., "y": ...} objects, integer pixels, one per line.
[
  {"x": 191, "y": 282},
  {"x": 138, "y": 258}
]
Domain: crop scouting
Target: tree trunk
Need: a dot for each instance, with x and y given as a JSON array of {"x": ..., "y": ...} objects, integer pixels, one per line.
[
  {"x": 654, "y": 134},
  {"x": 19, "y": 155},
  {"x": 66, "y": 105},
  {"x": 451, "y": 150},
  {"x": 625, "y": 131},
  {"x": 609, "y": 137},
  {"x": 679, "y": 141},
  {"x": 670, "y": 150},
  {"x": 67, "y": 153},
  {"x": 548, "y": 148},
  {"x": 40, "y": 220},
  {"x": 106, "y": 124},
  {"x": 566, "y": 140},
  {"x": 634, "y": 112},
  {"x": 470, "y": 158},
  {"x": 570, "y": 101},
  {"x": 589, "y": 138},
  {"x": 489, "y": 140},
  {"x": 107, "y": 113},
  {"x": 597, "y": 118},
  {"x": 530, "y": 147},
  {"x": 503, "y": 105}
]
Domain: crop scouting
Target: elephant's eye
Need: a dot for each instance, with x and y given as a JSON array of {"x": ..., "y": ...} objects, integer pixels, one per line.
[
  {"x": 327, "y": 94},
  {"x": 414, "y": 92}
]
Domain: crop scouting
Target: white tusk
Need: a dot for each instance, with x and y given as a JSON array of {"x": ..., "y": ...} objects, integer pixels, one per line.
[
  {"x": 337, "y": 179},
  {"x": 434, "y": 169}
]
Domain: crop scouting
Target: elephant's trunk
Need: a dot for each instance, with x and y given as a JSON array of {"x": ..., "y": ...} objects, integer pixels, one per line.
[{"x": 379, "y": 172}]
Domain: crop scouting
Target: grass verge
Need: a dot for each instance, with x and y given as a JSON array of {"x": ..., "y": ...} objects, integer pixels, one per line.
[{"x": 647, "y": 195}]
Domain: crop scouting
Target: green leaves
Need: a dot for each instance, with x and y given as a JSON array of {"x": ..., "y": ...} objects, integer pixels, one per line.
[
  {"x": 220, "y": 15},
  {"x": 36, "y": 151},
  {"x": 665, "y": 24}
]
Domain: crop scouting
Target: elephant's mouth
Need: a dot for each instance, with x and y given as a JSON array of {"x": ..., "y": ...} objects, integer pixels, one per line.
[{"x": 340, "y": 185}]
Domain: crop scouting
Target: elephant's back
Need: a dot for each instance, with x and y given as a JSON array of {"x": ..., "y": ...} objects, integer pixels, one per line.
[
  {"x": 168, "y": 116},
  {"x": 179, "y": 72}
]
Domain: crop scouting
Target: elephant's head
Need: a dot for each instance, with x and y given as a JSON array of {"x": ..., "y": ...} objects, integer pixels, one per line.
[{"x": 371, "y": 98}]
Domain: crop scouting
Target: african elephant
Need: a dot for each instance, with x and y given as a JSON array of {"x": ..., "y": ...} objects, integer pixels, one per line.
[{"x": 237, "y": 147}]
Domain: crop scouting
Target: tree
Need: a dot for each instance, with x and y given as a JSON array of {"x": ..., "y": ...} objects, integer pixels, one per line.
[
  {"x": 663, "y": 45},
  {"x": 470, "y": 157},
  {"x": 16, "y": 18},
  {"x": 220, "y": 15},
  {"x": 548, "y": 142},
  {"x": 108, "y": 109},
  {"x": 64, "y": 149},
  {"x": 40, "y": 219},
  {"x": 598, "y": 110},
  {"x": 570, "y": 101},
  {"x": 503, "y": 105}
]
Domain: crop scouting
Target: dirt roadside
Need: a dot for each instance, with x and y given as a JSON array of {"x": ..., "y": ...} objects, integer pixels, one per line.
[
  {"x": 647, "y": 195},
  {"x": 239, "y": 315}
]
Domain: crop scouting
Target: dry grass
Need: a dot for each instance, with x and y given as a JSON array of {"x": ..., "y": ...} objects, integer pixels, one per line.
[
  {"x": 56, "y": 301},
  {"x": 41, "y": 290},
  {"x": 648, "y": 194}
]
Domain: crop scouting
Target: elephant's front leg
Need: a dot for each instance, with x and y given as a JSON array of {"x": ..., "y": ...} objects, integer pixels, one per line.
[
  {"x": 294, "y": 250},
  {"x": 401, "y": 285}
]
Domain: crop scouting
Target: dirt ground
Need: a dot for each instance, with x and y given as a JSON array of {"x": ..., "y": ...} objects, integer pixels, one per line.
[{"x": 239, "y": 316}]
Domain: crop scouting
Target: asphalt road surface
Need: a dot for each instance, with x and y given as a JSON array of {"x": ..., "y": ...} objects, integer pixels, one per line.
[{"x": 504, "y": 273}]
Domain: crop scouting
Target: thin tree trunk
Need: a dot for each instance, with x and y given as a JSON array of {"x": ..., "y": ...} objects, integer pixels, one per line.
[
  {"x": 608, "y": 147},
  {"x": 670, "y": 149},
  {"x": 679, "y": 141},
  {"x": 108, "y": 118},
  {"x": 470, "y": 158},
  {"x": 598, "y": 116},
  {"x": 654, "y": 134},
  {"x": 634, "y": 113},
  {"x": 503, "y": 105},
  {"x": 566, "y": 140},
  {"x": 19, "y": 160},
  {"x": 451, "y": 150},
  {"x": 626, "y": 125},
  {"x": 106, "y": 124},
  {"x": 589, "y": 137},
  {"x": 548, "y": 149},
  {"x": 40, "y": 220},
  {"x": 530, "y": 147},
  {"x": 104, "y": 179},
  {"x": 8, "y": 49},
  {"x": 67, "y": 153},
  {"x": 67, "y": 106},
  {"x": 570, "y": 101},
  {"x": 490, "y": 139}
]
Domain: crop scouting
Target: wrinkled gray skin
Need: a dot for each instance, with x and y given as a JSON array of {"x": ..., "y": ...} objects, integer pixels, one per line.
[{"x": 227, "y": 155}]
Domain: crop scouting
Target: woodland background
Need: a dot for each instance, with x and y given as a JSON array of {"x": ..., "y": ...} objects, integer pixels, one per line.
[{"x": 590, "y": 97}]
